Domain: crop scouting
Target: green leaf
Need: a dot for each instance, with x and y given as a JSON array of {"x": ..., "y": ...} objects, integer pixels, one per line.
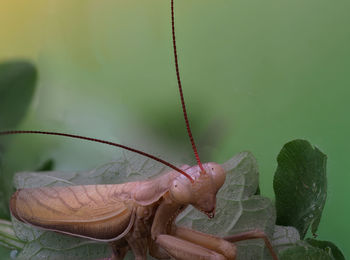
[
  {"x": 329, "y": 246},
  {"x": 8, "y": 238},
  {"x": 304, "y": 251},
  {"x": 17, "y": 85},
  {"x": 3, "y": 202},
  {"x": 284, "y": 237},
  {"x": 40, "y": 244},
  {"x": 300, "y": 186},
  {"x": 128, "y": 168},
  {"x": 9, "y": 243},
  {"x": 238, "y": 209}
]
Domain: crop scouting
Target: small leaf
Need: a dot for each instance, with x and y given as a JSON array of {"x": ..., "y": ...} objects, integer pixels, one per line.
[
  {"x": 17, "y": 85},
  {"x": 300, "y": 186},
  {"x": 304, "y": 251},
  {"x": 326, "y": 245}
]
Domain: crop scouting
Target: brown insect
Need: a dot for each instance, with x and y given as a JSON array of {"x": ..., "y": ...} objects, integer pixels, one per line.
[{"x": 138, "y": 216}]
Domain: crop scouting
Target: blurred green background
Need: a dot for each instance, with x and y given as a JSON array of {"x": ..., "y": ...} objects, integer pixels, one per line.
[{"x": 256, "y": 74}]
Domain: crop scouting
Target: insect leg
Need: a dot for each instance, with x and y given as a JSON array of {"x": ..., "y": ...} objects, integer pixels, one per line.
[
  {"x": 138, "y": 247},
  {"x": 118, "y": 251},
  {"x": 254, "y": 234},
  {"x": 206, "y": 240},
  {"x": 156, "y": 251},
  {"x": 181, "y": 249}
]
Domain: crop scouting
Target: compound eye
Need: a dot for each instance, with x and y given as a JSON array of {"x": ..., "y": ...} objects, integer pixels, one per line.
[
  {"x": 218, "y": 174},
  {"x": 181, "y": 191}
]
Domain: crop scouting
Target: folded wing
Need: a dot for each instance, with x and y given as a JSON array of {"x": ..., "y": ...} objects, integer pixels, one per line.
[{"x": 100, "y": 212}]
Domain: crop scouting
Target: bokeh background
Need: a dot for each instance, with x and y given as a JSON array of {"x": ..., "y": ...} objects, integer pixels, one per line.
[{"x": 256, "y": 75}]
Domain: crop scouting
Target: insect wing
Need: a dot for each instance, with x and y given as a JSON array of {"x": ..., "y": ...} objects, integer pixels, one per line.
[{"x": 100, "y": 212}]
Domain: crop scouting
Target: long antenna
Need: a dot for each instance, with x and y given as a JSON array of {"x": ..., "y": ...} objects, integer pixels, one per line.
[
  {"x": 100, "y": 141},
  {"x": 181, "y": 92}
]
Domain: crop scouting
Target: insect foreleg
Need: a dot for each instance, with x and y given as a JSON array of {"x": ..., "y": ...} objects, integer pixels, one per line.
[
  {"x": 211, "y": 242},
  {"x": 186, "y": 243},
  {"x": 253, "y": 234}
]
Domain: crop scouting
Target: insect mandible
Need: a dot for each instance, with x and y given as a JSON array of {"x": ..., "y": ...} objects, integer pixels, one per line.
[{"x": 138, "y": 216}]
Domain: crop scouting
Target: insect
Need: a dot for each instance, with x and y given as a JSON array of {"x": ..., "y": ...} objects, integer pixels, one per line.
[{"x": 138, "y": 216}]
